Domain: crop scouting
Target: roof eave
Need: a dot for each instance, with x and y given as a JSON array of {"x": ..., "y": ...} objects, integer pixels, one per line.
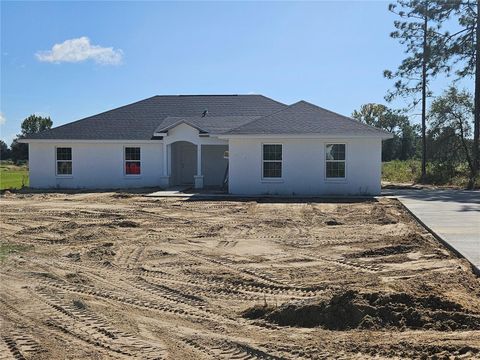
[{"x": 383, "y": 136}]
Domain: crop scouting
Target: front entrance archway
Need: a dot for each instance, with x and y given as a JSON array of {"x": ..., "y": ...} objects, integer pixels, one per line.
[{"x": 184, "y": 162}]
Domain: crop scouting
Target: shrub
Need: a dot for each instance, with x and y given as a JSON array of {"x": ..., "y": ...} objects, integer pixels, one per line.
[{"x": 407, "y": 171}]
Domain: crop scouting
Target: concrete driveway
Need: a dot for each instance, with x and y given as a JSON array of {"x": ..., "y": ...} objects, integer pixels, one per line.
[{"x": 454, "y": 215}]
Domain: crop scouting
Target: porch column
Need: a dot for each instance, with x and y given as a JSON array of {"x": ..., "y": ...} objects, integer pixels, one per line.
[
  {"x": 164, "y": 178},
  {"x": 199, "y": 176},
  {"x": 165, "y": 159}
]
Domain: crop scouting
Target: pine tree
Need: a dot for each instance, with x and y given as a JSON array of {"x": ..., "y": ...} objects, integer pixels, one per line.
[
  {"x": 418, "y": 31},
  {"x": 463, "y": 47}
]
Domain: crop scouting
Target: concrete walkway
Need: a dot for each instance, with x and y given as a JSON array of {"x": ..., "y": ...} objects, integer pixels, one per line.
[
  {"x": 454, "y": 215},
  {"x": 174, "y": 191}
]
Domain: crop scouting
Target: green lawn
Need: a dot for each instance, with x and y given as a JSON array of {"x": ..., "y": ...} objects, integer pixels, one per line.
[{"x": 13, "y": 177}]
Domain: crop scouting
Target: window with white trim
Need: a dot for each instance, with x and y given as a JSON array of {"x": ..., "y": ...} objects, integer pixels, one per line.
[
  {"x": 335, "y": 161},
  {"x": 63, "y": 158},
  {"x": 132, "y": 161},
  {"x": 272, "y": 161}
]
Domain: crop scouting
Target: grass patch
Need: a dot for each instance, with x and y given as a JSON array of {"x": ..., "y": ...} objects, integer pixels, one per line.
[
  {"x": 13, "y": 176},
  {"x": 409, "y": 171},
  {"x": 7, "y": 249},
  {"x": 398, "y": 171}
]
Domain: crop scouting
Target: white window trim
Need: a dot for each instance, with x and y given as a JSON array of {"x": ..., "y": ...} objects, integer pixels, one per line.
[
  {"x": 57, "y": 161},
  {"x": 125, "y": 162},
  {"x": 334, "y": 179},
  {"x": 271, "y": 179}
]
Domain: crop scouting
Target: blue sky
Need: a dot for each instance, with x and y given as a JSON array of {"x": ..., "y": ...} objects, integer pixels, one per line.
[{"x": 330, "y": 53}]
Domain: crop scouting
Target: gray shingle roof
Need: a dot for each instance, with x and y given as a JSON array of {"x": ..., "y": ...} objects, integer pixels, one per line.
[
  {"x": 227, "y": 114},
  {"x": 139, "y": 120},
  {"x": 208, "y": 124},
  {"x": 306, "y": 118}
]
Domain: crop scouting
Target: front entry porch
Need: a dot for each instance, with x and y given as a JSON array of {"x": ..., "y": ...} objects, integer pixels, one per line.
[
  {"x": 197, "y": 165},
  {"x": 192, "y": 157},
  {"x": 184, "y": 163}
]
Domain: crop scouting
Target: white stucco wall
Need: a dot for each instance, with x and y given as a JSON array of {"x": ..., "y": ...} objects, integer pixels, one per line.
[
  {"x": 304, "y": 167},
  {"x": 101, "y": 165},
  {"x": 95, "y": 165}
]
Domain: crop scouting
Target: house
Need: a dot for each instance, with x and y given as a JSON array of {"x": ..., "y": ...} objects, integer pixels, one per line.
[{"x": 260, "y": 145}]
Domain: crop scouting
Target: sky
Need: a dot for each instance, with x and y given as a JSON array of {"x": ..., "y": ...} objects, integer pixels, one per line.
[{"x": 69, "y": 60}]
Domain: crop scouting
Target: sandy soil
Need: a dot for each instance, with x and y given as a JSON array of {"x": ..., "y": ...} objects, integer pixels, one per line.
[{"x": 117, "y": 275}]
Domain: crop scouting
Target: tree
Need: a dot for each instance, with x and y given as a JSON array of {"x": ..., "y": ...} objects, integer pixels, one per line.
[
  {"x": 409, "y": 140},
  {"x": 380, "y": 116},
  {"x": 463, "y": 47},
  {"x": 34, "y": 124},
  {"x": 31, "y": 125},
  {"x": 18, "y": 151},
  {"x": 424, "y": 46},
  {"x": 454, "y": 111},
  {"x": 4, "y": 151}
]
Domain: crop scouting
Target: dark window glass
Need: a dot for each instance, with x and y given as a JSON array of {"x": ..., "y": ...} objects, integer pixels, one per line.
[
  {"x": 64, "y": 167},
  {"x": 132, "y": 153},
  {"x": 64, "y": 153},
  {"x": 335, "y": 169},
  {"x": 272, "y": 161},
  {"x": 335, "y": 151},
  {"x": 272, "y": 152},
  {"x": 64, "y": 161},
  {"x": 272, "y": 169}
]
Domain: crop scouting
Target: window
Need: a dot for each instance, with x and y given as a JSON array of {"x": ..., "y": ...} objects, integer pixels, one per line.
[
  {"x": 272, "y": 161},
  {"x": 64, "y": 161},
  {"x": 132, "y": 161},
  {"x": 335, "y": 161}
]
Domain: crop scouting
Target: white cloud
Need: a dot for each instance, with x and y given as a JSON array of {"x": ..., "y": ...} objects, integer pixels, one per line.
[
  {"x": 78, "y": 50},
  {"x": 3, "y": 120}
]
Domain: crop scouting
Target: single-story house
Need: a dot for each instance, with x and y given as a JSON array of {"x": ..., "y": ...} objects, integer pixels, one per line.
[{"x": 254, "y": 144}]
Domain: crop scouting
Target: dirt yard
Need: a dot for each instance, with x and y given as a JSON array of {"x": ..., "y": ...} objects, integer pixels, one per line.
[{"x": 117, "y": 275}]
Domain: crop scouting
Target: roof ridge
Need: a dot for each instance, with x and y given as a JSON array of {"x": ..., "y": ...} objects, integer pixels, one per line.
[{"x": 185, "y": 95}]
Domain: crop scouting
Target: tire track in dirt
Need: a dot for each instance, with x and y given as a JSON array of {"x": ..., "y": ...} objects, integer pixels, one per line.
[
  {"x": 147, "y": 304},
  {"x": 12, "y": 347},
  {"x": 265, "y": 282},
  {"x": 129, "y": 257},
  {"x": 48, "y": 323},
  {"x": 224, "y": 349},
  {"x": 89, "y": 328},
  {"x": 210, "y": 288},
  {"x": 167, "y": 299}
]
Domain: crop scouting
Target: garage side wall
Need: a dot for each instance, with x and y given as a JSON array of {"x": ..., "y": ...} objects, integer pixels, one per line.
[
  {"x": 94, "y": 166},
  {"x": 303, "y": 167}
]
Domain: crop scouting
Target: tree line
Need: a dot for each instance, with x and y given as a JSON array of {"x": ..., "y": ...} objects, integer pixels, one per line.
[
  {"x": 448, "y": 134},
  {"x": 19, "y": 151}
]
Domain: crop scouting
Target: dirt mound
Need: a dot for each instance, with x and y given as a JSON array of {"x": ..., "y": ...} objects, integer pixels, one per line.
[
  {"x": 77, "y": 278},
  {"x": 381, "y": 217},
  {"x": 386, "y": 251},
  {"x": 332, "y": 222},
  {"x": 351, "y": 310},
  {"x": 75, "y": 256},
  {"x": 257, "y": 311},
  {"x": 101, "y": 252},
  {"x": 126, "y": 224}
]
